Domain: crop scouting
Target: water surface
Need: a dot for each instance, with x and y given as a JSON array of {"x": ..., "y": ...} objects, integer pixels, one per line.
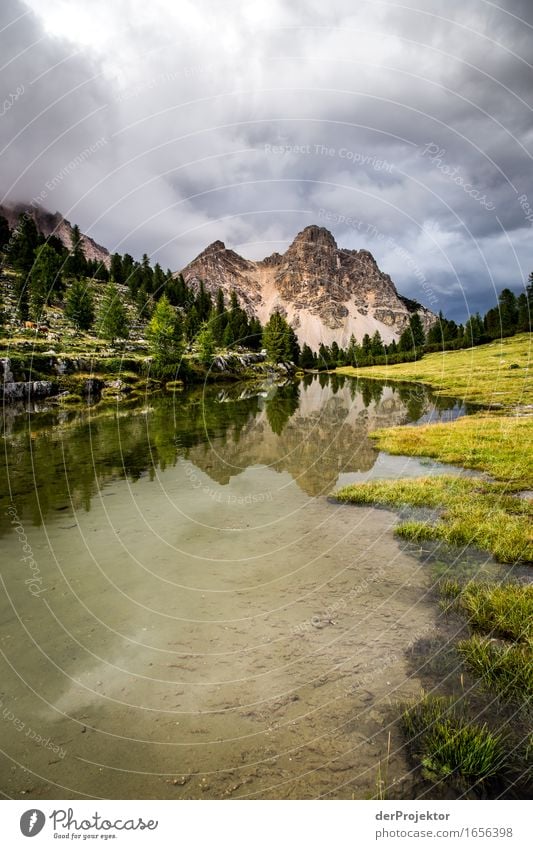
[{"x": 194, "y": 616}]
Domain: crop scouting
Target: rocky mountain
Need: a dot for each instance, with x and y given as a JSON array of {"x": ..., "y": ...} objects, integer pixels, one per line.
[
  {"x": 325, "y": 292},
  {"x": 53, "y": 223}
]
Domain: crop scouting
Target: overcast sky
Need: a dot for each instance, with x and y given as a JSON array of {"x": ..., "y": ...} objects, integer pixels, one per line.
[{"x": 404, "y": 127}]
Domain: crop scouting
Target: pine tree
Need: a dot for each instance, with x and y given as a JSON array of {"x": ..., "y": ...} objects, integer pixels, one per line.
[
  {"x": 492, "y": 323},
  {"x": 351, "y": 353},
  {"x": 112, "y": 317},
  {"x": 508, "y": 312},
  {"x": 76, "y": 264},
  {"x": 367, "y": 344},
  {"x": 413, "y": 336},
  {"x": 255, "y": 334},
  {"x": 5, "y": 235},
  {"x": 277, "y": 339},
  {"x": 165, "y": 334},
  {"x": 79, "y": 307},
  {"x": 146, "y": 274},
  {"x": 417, "y": 330},
  {"x": 159, "y": 280},
  {"x": 376, "y": 345},
  {"x": 306, "y": 357},
  {"x": 44, "y": 279},
  {"x": 128, "y": 265},
  {"x": 192, "y": 323},
  {"x": 25, "y": 239},
  {"x": 524, "y": 314},
  {"x": 293, "y": 345},
  {"x": 206, "y": 344},
  {"x": 473, "y": 330},
  {"x": 115, "y": 269},
  {"x": 203, "y": 302}
]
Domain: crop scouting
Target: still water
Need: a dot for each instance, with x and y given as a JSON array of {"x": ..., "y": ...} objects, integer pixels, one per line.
[{"x": 184, "y": 611}]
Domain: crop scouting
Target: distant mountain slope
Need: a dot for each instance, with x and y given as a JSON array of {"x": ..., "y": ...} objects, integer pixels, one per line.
[
  {"x": 53, "y": 223},
  {"x": 327, "y": 293}
]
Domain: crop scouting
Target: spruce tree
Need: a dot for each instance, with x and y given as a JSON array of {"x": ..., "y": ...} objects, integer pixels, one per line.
[
  {"x": 24, "y": 241},
  {"x": 525, "y": 309},
  {"x": 376, "y": 345},
  {"x": 44, "y": 279},
  {"x": 413, "y": 336},
  {"x": 115, "y": 269},
  {"x": 113, "y": 321},
  {"x": 76, "y": 264},
  {"x": 306, "y": 357},
  {"x": 79, "y": 307},
  {"x": 205, "y": 342},
  {"x": 508, "y": 312},
  {"x": 165, "y": 334},
  {"x": 5, "y": 235},
  {"x": 277, "y": 339}
]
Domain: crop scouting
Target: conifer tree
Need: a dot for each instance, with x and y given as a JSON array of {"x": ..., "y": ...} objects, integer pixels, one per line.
[
  {"x": 79, "y": 307},
  {"x": 44, "y": 279},
  {"x": 113, "y": 321},
  {"x": 277, "y": 339},
  {"x": 205, "y": 342},
  {"x": 165, "y": 334}
]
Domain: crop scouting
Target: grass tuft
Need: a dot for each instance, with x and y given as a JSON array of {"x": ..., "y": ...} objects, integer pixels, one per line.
[
  {"x": 448, "y": 746},
  {"x": 506, "y": 669},
  {"x": 500, "y": 610}
]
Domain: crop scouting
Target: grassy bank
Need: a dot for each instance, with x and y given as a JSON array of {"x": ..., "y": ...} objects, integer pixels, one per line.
[
  {"x": 471, "y": 512},
  {"x": 495, "y": 375},
  {"x": 495, "y": 444},
  {"x": 445, "y": 735},
  {"x": 461, "y": 739}
]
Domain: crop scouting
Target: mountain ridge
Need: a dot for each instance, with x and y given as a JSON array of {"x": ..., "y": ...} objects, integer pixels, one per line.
[{"x": 55, "y": 224}]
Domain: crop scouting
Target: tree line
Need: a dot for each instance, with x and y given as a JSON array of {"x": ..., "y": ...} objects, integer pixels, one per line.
[{"x": 179, "y": 318}]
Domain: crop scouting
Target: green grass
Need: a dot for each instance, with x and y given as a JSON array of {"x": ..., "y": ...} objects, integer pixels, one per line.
[
  {"x": 484, "y": 375},
  {"x": 498, "y": 445},
  {"x": 503, "y": 611},
  {"x": 497, "y": 610},
  {"x": 506, "y": 669},
  {"x": 473, "y": 512},
  {"x": 448, "y": 746}
]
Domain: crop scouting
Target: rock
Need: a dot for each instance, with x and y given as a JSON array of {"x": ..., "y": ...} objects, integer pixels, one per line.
[
  {"x": 7, "y": 374},
  {"x": 92, "y": 387},
  {"x": 27, "y": 390}
]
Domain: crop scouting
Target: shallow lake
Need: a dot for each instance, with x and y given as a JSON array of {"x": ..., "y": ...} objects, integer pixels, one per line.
[{"x": 184, "y": 611}]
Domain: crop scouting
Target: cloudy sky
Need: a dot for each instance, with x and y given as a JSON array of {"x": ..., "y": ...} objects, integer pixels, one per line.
[{"x": 404, "y": 126}]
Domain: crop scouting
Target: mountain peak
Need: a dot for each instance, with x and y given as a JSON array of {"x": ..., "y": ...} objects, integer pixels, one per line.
[
  {"x": 315, "y": 235},
  {"x": 215, "y": 247}
]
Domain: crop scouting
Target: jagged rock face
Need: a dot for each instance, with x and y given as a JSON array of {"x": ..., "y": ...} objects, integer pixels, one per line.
[
  {"x": 54, "y": 224},
  {"x": 327, "y": 293}
]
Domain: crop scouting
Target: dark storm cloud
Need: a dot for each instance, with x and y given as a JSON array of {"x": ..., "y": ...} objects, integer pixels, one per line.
[{"x": 406, "y": 131}]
